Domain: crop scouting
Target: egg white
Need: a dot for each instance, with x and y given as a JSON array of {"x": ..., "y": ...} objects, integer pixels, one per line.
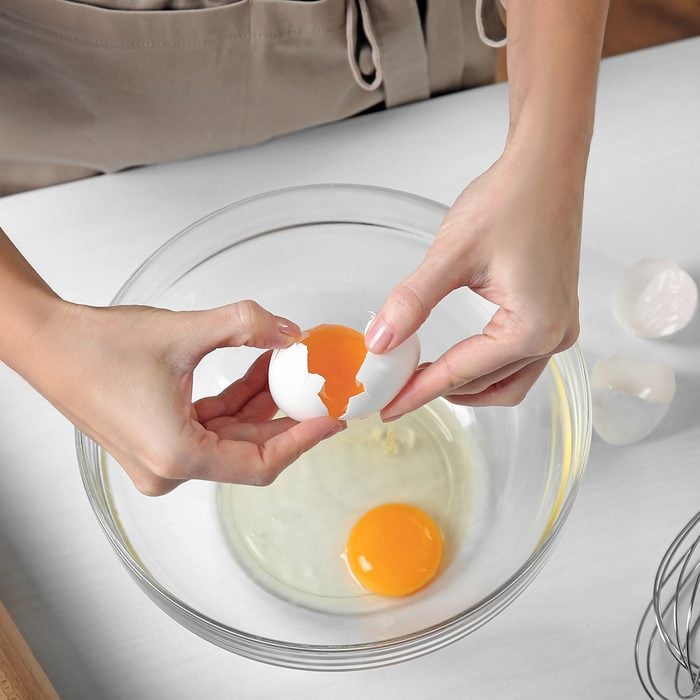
[{"x": 291, "y": 536}]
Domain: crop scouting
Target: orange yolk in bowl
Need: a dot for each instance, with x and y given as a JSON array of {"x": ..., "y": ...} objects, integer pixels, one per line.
[
  {"x": 336, "y": 353},
  {"x": 394, "y": 549}
]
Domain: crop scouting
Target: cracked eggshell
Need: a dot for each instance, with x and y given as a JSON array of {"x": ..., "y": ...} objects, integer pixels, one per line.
[
  {"x": 655, "y": 298},
  {"x": 293, "y": 388},
  {"x": 630, "y": 398},
  {"x": 383, "y": 377}
]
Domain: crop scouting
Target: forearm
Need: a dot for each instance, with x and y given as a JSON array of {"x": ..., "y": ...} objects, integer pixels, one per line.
[
  {"x": 554, "y": 51},
  {"x": 26, "y": 303}
]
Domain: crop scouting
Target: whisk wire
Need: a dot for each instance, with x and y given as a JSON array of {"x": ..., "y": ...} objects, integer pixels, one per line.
[{"x": 675, "y": 621}]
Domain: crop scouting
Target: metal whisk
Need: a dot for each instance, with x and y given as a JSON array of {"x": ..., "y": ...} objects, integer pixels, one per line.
[{"x": 667, "y": 653}]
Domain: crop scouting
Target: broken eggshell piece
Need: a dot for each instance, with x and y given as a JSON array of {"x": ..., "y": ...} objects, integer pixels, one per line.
[
  {"x": 655, "y": 298},
  {"x": 630, "y": 398},
  {"x": 295, "y": 390},
  {"x": 383, "y": 377}
]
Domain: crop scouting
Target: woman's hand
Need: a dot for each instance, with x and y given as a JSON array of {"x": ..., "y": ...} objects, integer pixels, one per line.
[
  {"x": 513, "y": 237},
  {"x": 123, "y": 375}
]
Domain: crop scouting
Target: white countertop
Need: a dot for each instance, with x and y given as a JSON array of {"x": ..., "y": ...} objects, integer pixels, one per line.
[{"x": 571, "y": 634}]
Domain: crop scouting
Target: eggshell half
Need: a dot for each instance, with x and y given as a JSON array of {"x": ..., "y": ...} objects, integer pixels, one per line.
[
  {"x": 655, "y": 298},
  {"x": 383, "y": 377},
  {"x": 630, "y": 398},
  {"x": 293, "y": 388}
]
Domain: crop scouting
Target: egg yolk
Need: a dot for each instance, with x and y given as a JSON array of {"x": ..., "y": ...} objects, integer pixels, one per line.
[
  {"x": 336, "y": 353},
  {"x": 394, "y": 550}
]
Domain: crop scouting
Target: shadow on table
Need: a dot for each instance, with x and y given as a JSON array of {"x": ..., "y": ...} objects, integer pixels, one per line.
[
  {"x": 684, "y": 413},
  {"x": 690, "y": 336},
  {"x": 43, "y": 631}
]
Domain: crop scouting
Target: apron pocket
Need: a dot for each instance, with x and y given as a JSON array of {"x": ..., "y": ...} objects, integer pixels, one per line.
[{"x": 112, "y": 88}]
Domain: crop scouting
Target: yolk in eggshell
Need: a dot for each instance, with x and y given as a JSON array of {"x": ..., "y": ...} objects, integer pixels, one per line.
[
  {"x": 394, "y": 549},
  {"x": 336, "y": 353}
]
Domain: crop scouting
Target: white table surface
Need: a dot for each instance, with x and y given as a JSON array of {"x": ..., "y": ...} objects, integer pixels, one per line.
[{"x": 570, "y": 635}]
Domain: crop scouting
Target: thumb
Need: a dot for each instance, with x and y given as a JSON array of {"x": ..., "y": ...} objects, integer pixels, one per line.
[
  {"x": 243, "y": 323},
  {"x": 410, "y": 303}
]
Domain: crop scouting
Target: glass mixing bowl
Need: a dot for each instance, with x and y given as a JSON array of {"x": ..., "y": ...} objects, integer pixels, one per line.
[{"x": 320, "y": 254}]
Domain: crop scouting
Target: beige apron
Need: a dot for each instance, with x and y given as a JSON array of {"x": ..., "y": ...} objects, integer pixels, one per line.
[{"x": 88, "y": 88}]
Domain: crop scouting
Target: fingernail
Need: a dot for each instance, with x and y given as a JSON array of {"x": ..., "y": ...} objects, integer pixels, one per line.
[
  {"x": 287, "y": 327},
  {"x": 335, "y": 430},
  {"x": 390, "y": 418},
  {"x": 379, "y": 337}
]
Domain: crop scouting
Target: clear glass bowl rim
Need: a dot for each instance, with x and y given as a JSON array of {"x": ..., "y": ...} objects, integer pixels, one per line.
[{"x": 333, "y": 657}]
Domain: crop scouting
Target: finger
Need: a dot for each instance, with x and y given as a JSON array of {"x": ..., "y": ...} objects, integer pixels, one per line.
[
  {"x": 232, "y": 461},
  {"x": 501, "y": 343},
  {"x": 236, "y": 395},
  {"x": 285, "y": 448},
  {"x": 233, "y": 429},
  {"x": 482, "y": 383},
  {"x": 412, "y": 300},
  {"x": 509, "y": 392},
  {"x": 261, "y": 407},
  {"x": 243, "y": 323}
]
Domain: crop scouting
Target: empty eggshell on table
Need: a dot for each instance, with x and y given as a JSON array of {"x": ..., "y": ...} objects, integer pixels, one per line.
[
  {"x": 655, "y": 298},
  {"x": 630, "y": 398}
]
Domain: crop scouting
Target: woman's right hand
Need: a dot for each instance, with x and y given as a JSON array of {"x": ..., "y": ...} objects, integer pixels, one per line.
[{"x": 123, "y": 375}]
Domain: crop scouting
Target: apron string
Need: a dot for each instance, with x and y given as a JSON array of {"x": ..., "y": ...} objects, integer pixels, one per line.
[
  {"x": 491, "y": 29},
  {"x": 444, "y": 38},
  {"x": 397, "y": 49},
  {"x": 361, "y": 78}
]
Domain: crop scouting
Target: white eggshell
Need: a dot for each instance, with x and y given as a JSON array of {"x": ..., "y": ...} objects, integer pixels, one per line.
[
  {"x": 655, "y": 298},
  {"x": 630, "y": 398},
  {"x": 383, "y": 377},
  {"x": 293, "y": 388}
]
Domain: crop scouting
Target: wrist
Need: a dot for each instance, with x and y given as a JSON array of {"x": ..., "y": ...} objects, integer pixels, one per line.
[
  {"x": 557, "y": 130},
  {"x": 27, "y": 326},
  {"x": 549, "y": 149},
  {"x": 24, "y": 319},
  {"x": 26, "y": 304},
  {"x": 52, "y": 350}
]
